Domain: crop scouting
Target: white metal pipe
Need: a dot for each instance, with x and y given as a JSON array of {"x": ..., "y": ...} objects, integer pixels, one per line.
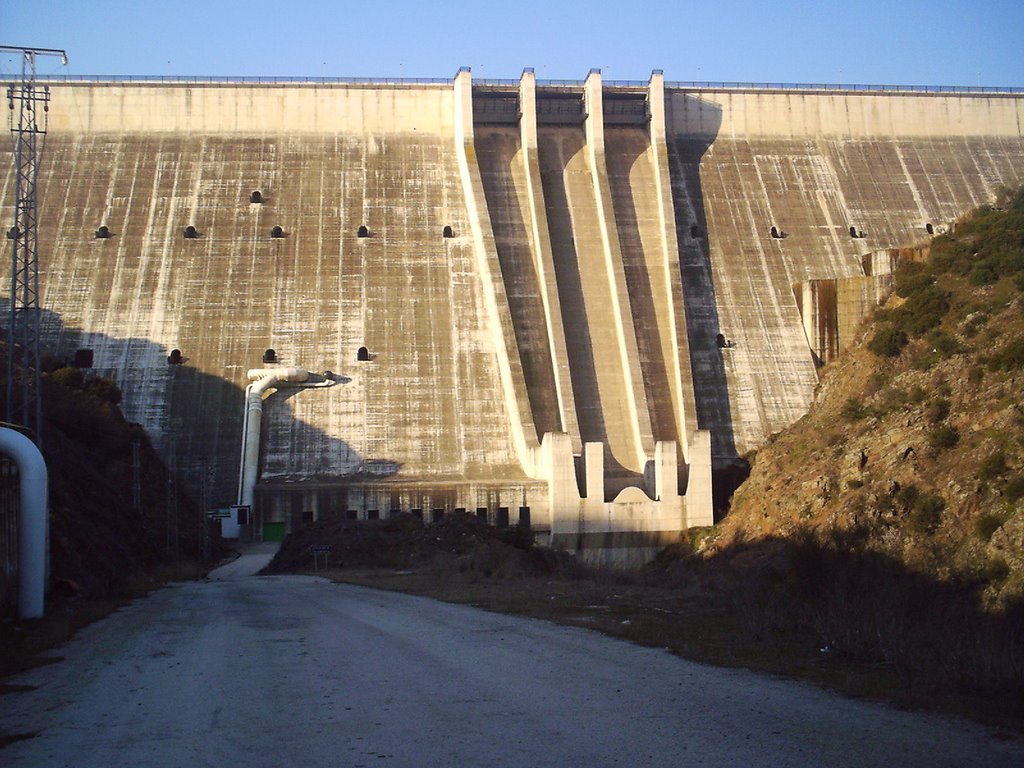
[
  {"x": 263, "y": 379},
  {"x": 32, "y": 521}
]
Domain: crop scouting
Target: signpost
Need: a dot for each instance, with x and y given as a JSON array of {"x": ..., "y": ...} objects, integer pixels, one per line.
[{"x": 318, "y": 550}]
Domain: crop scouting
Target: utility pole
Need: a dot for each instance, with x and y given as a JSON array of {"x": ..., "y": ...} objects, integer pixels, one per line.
[
  {"x": 24, "y": 406},
  {"x": 136, "y": 477}
]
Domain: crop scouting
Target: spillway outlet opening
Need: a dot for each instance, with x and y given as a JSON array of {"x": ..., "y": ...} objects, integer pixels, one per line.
[
  {"x": 447, "y": 231},
  {"x": 929, "y": 228},
  {"x": 175, "y": 357},
  {"x": 270, "y": 356},
  {"x": 83, "y": 358},
  {"x": 103, "y": 232},
  {"x": 191, "y": 233},
  {"x": 277, "y": 232},
  {"x": 256, "y": 197},
  {"x": 362, "y": 354},
  {"x": 363, "y": 231}
]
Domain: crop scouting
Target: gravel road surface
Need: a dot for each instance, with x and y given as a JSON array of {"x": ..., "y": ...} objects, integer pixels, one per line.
[{"x": 253, "y": 671}]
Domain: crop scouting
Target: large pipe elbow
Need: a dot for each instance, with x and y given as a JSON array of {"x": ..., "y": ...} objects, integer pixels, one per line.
[
  {"x": 262, "y": 379},
  {"x": 32, "y": 520}
]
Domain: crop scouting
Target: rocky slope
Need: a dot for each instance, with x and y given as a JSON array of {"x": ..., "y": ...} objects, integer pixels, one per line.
[{"x": 914, "y": 448}]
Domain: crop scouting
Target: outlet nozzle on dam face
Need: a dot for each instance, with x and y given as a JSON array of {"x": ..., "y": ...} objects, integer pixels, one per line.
[{"x": 263, "y": 379}]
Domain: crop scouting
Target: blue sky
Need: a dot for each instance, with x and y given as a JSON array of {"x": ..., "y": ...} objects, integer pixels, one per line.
[{"x": 910, "y": 42}]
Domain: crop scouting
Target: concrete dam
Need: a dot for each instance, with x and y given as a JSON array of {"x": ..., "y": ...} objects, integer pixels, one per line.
[{"x": 558, "y": 303}]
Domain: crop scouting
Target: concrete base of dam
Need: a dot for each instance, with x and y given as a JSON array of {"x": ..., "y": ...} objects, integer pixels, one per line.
[{"x": 574, "y": 298}]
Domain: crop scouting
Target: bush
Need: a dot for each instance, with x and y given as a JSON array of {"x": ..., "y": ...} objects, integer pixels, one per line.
[
  {"x": 912, "y": 277},
  {"x": 995, "y": 570},
  {"x": 1015, "y": 488},
  {"x": 1008, "y": 358},
  {"x": 922, "y": 311},
  {"x": 986, "y": 525},
  {"x": 888, "y": 341},
  {"x": 975, "y": 324},
  {"x": 992, "y": 467},
  {"x": 927, "y": 512},
  {"x": 937, "y": 410},
  {"x": 69, "y": 377},
  {"x": 950, "y": 255},
  {"x": 942, "y": 437},
  {"x": 983, "y": 274},
  {"x": 103, "y": 389},
  {"x": 917, "y": 394},
  {"x": 943, "y": 344},
  {"x": 907, "y": 496},
  {"x": 853, "y": 409}
]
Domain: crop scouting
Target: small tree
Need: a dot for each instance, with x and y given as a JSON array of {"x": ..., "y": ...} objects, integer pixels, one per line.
[
  {"x": 888, "y": 341},
  {"x": 69, "y": 377}
]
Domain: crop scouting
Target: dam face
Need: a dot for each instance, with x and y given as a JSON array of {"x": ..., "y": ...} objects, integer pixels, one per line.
[{"x": 569, "y": 298}]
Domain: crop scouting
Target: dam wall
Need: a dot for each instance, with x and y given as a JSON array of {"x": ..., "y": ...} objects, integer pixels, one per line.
[
  {"x": 566, "y": 298},
  {"x": 811, "y": 165}
]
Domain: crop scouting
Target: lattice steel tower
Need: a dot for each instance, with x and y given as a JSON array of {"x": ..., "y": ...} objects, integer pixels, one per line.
[{"x": 23, "y": 406}]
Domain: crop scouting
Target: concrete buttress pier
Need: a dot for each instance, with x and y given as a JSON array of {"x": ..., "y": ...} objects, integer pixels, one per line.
[{"x": 562, "y": 302}]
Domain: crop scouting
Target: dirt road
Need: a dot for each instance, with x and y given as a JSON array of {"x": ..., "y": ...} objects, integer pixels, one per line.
[{"x": 294, "y": 670}]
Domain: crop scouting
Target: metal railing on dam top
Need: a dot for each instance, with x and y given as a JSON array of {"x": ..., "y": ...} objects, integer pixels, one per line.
[{"x": 674, "y": 84}]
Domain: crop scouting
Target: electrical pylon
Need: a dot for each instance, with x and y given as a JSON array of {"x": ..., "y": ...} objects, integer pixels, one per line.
[{"x": 23, "y": 406}]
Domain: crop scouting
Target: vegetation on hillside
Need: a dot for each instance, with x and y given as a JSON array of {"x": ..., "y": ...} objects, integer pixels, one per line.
[
  {"x": 889, "y": 521},
  {"x": 100, "y": 546}
]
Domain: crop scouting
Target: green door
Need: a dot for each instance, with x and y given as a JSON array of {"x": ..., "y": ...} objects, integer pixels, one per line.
[{"x": 273, "y": 531}]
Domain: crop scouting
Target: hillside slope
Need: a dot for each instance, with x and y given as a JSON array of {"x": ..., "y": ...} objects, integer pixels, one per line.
[
  {"x": 100, "y": 546},
  {"x": 914, "y": 447}
]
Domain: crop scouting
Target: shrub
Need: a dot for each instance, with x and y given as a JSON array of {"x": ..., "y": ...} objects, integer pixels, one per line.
[
  {"x": 924, "y": 359},
  {"x": 927, "y": 512},
  {"x": 103, "y": 389},
  {"x": 69, "y": 377},
  {"x": 992, "y": 467},
  {"x": 943, "y": 344},
  {"x": 853, "y": 409},
  {"x": 976, "y": 375},
  {"x": 912, "y": 277},
  {"x": 982, "y": 274},
  {"x": 937, "y": 410},
  {"x": 1008, "y": 358},
  {"x": 1008, "y": 260},
  {"x": 907, "y": 496},
  {"x": 986, "y": 525},
  {"x": 922, "y": 311},
  {"x": 890, "y": 399},
  {"x": 942, "y": 437},
  {"x": 950, "y": 255},
  {"x": 975, "y": 324},
  {"x": 888, "y": 341},
  {"x": 995, "y": 570},
  {"x": 918, "y": 394},
  {"x": 1015, "y": 488}
]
